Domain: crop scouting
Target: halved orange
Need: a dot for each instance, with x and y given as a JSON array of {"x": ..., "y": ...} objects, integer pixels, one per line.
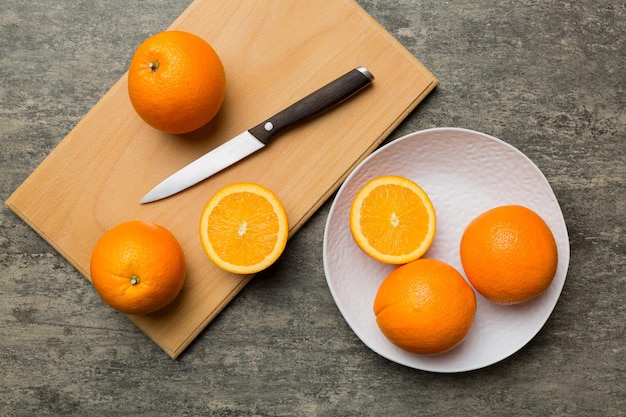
[
  {"x": 244, "y": 228},
  {"x": 393, "y": 220}
]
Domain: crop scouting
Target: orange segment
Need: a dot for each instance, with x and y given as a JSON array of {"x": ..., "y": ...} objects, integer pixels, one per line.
[
  {"x": 244, "y": 228},
  {"x": 393, "y": 220}
]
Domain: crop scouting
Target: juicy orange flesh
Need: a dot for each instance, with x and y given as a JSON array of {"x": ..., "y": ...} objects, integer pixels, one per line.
[
  {"x": 394, "y": 220},
  {"x": 243, "y": 228}
]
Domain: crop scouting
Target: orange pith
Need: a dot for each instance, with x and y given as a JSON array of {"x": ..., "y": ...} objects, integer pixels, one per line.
[
  {"x": 509, "y": 254},
  {"x": 244, "y": 228},
  {"x": 137, "y": 267},
  {"x": 176, "y": 81},
  {"x": 393, "y": 220},
  {"x": 425, "y": 307}
]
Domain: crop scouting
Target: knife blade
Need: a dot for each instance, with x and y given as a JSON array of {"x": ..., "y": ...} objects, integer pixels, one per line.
[{"x": 257, "y": 137}]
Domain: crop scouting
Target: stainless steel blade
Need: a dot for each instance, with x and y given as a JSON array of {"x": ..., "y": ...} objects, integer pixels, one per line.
[
  {"x": 258, "y": 136},
  {"x": 219, "y": 158}
]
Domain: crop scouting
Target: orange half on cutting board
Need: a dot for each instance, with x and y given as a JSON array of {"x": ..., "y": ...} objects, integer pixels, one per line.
[{"x": 244, "y": 228}]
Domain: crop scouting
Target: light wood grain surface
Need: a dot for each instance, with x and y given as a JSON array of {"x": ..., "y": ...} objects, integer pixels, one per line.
[{"x": 95, "y": 177}]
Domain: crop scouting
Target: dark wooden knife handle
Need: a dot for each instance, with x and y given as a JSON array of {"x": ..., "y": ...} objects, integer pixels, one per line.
[{"x": 314, "y": 104}]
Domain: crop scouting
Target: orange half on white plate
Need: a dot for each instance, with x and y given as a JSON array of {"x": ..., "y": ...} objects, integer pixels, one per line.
[{"x": 393, "y": 220}]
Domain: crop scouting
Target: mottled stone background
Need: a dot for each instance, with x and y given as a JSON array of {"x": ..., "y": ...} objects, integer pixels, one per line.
[{"x": 548, "y": 77}]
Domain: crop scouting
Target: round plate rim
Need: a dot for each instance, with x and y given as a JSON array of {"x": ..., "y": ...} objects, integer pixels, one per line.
[{"x": 564, "y": 252}]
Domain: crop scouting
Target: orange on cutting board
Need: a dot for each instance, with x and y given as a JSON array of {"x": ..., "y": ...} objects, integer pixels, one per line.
[
  {"x": 509, "y": 254},
  {"x": 137, "y": 267},
  {"x": 393, "y": 220},
  {"x": 176, "y": 81},
  {"x": 244, "y": 228},
  {"x": 425, "y": 307}
]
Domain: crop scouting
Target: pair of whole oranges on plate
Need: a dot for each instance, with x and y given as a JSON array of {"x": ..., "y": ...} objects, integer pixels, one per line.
[{"x": 425, "y": 306}]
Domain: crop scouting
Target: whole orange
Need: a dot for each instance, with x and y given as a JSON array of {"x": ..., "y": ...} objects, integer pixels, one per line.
[
  {"x": 425, "y": 307},
  {"x": 509, "y": 254},
  {"x": 137, "y": 267},
  {"x": 176, "y": 81}
]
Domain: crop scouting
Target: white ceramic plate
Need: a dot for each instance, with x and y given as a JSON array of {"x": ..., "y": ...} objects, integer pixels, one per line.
[{"x": 465, "y": 173}]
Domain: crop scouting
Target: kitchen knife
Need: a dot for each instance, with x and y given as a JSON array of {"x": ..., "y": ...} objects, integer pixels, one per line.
[{"x": 257, "y": 137}]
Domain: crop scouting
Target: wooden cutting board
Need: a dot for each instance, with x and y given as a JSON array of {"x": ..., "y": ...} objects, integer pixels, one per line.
[{"x": 274, "y": 53}]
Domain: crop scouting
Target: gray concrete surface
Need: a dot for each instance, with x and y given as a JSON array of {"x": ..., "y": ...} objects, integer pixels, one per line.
[{"x": 548, "y": 77}]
